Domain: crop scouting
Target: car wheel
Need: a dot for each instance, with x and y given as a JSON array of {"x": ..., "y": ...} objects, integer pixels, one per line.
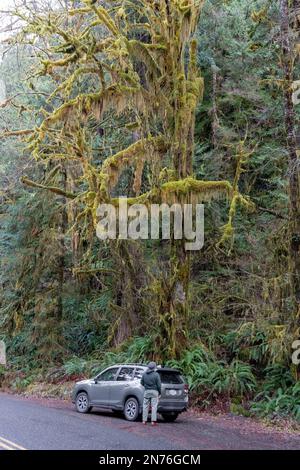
[
  {"x": 83, "y": 403},
  {"x": 170, "y": 417},
  {"x": 131, "y": 409}
]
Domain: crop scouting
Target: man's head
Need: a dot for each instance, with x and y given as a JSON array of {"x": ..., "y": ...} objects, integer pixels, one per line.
[{"x": 152, "y": 365}]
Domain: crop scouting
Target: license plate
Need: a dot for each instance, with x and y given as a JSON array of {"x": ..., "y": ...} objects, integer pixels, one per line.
[{"x": 172, "y": 393}]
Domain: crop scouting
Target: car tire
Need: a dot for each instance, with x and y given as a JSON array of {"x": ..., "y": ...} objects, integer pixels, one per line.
[
  {"x": 170, "y": 417},
  {"x": 83, "y": 403},
  {"x": 131, "y": 409}
]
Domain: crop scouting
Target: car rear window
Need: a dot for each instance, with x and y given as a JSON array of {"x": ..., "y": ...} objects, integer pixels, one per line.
[{"x": 168, "y": 377}]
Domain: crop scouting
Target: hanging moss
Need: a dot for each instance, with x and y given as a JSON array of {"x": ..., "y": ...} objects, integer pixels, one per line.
[
  {"x": 237, "y": 198},
  {"x": 135, "y": 155}
]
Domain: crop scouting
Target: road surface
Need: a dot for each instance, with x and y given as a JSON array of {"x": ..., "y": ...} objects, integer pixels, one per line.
[{"x": 52, "y": 424}]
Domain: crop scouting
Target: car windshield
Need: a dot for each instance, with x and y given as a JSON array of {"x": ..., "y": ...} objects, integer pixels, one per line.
[{"x": 169, "y": 377}]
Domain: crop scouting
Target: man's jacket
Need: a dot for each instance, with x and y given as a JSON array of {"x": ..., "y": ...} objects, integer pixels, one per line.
[{"x": 151, "y": 380}]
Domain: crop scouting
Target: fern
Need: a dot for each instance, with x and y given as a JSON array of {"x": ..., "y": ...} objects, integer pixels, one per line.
[
  {"x": 204, "y": 373},
  {"x": 282, "y": 403}
]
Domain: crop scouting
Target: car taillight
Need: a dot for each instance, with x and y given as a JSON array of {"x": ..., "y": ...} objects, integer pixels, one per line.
[{"x": 186, "y": 388}]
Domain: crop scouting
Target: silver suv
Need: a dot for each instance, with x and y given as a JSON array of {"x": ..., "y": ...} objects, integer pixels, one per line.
[{"x": 119, "y": 389}]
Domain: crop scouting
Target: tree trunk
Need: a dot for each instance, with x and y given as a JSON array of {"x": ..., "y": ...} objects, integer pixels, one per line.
[
  {"x": 215, "y": 118},
  {"x": 294, "y": 163},
  {"x": 62, "y": 228},
  {"x": 188, "y": 90}
]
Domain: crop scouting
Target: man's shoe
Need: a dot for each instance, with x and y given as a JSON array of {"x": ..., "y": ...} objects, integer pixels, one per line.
[
  {"x": 144, "y": 422},
  {"x": 154, "y": 423}
]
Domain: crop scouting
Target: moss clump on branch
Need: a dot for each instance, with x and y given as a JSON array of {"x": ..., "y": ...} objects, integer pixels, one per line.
[{"x": 203, "y": 190}]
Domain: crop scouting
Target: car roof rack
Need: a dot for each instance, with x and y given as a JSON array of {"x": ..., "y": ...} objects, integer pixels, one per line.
[{"x": 124, "y": 364}]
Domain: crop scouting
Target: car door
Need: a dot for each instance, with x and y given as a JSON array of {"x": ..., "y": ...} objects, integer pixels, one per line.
[
  {"x": 120, "y": 386},
  {"x": 100, "y": 390}
]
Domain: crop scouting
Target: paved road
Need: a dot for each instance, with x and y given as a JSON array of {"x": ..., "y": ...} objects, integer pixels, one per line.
[{"x": 41, "y": 424}]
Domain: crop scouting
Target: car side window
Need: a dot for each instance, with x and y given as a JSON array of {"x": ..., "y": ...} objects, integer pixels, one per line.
[
  {"x": 138, "y": 373},
  {"x": 125, "y": 374},
  {"x": 108, "y": 375}
]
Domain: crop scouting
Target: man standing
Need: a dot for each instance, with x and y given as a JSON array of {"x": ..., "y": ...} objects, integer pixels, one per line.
[{"x": 152, "y": 384}]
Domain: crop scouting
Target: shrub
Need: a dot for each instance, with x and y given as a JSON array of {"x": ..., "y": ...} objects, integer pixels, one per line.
[
  {"x": 75, "y": 366},
  {"x": 193, "y": 364},
  {"x": 233, "y": 379},
  {"x": 280, "y": 395},
  {"x": 281, "y": 404},
  {"x": 260, "y": 342},
  {"x": 277, "y": 376},
  {"x": 206, "y": 375}
]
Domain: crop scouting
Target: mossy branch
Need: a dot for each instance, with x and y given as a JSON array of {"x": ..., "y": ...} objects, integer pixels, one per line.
[
  {"x": 205, "y": 190},
  {"x": 103, "y": 16},
  {"x": 174, "y": 190},
  {"x": 18, "y": 133},
  {"x": 52, "y": 189}
]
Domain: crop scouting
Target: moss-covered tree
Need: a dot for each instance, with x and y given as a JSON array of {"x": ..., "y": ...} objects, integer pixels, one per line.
[{"x": 139, "y": 60}]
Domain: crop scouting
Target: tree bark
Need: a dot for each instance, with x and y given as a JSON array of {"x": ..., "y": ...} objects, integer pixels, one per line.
[
  {"x": 294, "y": 163},
  {"x": 215, "y": 121},
  {"x": 62, "y": 224}
]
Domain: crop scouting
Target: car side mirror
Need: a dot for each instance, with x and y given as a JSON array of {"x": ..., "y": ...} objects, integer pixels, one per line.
[{"x": 95, "y": 381}]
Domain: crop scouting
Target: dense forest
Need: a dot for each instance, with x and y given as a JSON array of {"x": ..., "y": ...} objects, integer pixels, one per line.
[{"x": 157, "y": 101}]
